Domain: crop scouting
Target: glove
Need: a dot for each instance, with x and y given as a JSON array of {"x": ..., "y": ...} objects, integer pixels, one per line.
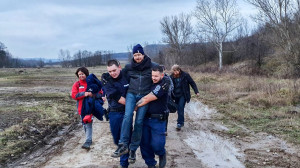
[
  {"x": 87, "y": 119},
  {"x": 106, "y": 114}
]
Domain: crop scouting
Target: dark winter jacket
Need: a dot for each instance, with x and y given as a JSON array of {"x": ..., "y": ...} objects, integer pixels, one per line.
[
  {"x": 114, "y": 89},
  {"x": 139, "y": 76},
  {"x": 93, "y": 105},
  {"x": 185, "y": 83},
  {"x": 93, "y": 84}
]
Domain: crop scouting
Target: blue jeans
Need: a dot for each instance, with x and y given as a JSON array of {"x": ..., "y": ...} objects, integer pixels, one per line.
[
  {"x": 88, "y": 130},
  {"x": 115, "y": 122},
  {"x": 153, "y": 140},
  {"x": 131, "y": 100},
  {"x": 180, "y": 101}
]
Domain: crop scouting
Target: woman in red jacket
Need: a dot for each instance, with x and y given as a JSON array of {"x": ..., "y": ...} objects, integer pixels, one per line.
[{"x": 79, "y": 93}]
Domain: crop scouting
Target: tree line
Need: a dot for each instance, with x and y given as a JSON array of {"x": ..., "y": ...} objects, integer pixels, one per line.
[
  {"x": 221, "y": 35},
  {"x": 83, "y": 58},
  {"x": 7, "y": 60}
]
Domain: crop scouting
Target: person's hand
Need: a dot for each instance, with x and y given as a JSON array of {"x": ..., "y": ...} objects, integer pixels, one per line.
[
  {"x": 198, "y": 94},
  {"x": 104, "y": 99},
  {"x": 86, "y": 94},
  {"x": 122, "y": 100}
]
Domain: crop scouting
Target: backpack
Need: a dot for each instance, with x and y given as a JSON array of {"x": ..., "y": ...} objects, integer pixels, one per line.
[{"x": 172, "y": 106}]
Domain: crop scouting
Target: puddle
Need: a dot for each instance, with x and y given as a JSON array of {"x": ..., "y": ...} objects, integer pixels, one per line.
[{"x": 211, "y": 149}]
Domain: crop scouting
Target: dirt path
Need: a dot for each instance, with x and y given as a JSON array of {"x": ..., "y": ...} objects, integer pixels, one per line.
[{"x": 202, "y": 142}]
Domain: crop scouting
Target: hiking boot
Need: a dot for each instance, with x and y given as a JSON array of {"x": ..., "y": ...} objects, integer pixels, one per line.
[
  {"x": 178, "y": 128},
  {"x": 87, "y": 145},
  {"x": 122, "y": 149},
  {"x": 162, "y": 161},
  {"x": 132, "y": 157}
]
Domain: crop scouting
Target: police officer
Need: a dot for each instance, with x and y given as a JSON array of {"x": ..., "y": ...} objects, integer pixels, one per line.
[
  {"x": 115, "y": 87},
  {"x": 153, "y": 134}
]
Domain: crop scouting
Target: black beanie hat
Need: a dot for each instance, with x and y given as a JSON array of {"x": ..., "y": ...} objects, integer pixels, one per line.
[{"x": 138, "y": 49}]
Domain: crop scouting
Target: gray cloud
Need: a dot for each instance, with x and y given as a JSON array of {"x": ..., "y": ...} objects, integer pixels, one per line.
[{"x": 35, "y": 28}]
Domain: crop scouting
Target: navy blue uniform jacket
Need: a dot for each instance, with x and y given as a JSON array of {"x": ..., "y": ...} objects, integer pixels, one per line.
[
  {"x": 160, "y": 90},
  {"x": 114, "y": 89}
]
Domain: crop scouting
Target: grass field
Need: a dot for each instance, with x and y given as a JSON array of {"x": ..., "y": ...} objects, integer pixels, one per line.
[{"x": 34, "y": 103}]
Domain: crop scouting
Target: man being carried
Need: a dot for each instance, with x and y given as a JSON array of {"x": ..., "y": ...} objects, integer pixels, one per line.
[{"x": 138, "y": 73}]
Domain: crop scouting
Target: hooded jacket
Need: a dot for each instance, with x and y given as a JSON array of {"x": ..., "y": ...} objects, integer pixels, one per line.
[
  {"x": 78, "y": 90},
  {"x": 139, "y": 76}
]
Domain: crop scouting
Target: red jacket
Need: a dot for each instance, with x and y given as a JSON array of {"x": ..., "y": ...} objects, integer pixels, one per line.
[{"x": 78, "y": 90}]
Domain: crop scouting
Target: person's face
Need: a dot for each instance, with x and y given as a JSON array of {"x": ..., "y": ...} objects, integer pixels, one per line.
[
  {"x": 157, "y": 76},
  {"x": 176, "y": 72},
  {"x": 138, "y": 57},
  {"x": 114, "y": 71},
  {"x": 81, "y": 75}
]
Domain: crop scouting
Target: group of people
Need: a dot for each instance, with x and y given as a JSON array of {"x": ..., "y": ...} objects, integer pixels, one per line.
[{"x": 141, "y": 86}]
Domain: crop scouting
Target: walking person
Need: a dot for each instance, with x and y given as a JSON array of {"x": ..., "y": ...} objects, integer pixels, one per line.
[
  {"x": 115, "y": 86},
  {"x": 88, "y": 104},
  {"x": 138, "y": 73},
  {"x": 153, "y": 137},
  {"x": 182, "y": 82}
]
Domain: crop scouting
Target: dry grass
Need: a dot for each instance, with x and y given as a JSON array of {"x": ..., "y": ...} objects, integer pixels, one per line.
[{"x": 259, "y": 103}]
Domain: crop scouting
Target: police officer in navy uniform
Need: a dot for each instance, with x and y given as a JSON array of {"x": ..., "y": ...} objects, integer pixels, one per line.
[
  {"x": 116, "y": 86},
  {"x": 153, "y": 136}
]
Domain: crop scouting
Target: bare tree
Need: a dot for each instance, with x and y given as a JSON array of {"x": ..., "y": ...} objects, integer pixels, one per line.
[
  {"x": 129, "y": 49},
  {"x": 177, "y": 31},
  {"x": 217, "y": 20},
  {"x": 62, "y": 57},
  {"x": 41, "y": 63},
  {"x": 282, "y": 18},
  {"x": 68, "y": 58},
  {"x": 97, "y": 58}
]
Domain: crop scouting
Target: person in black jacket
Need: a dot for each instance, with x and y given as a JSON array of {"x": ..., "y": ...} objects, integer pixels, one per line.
[
  {"x": 115, "y": 85},
  {"x": 181, "y": 93},
  {"x": 138, "y": 72}
]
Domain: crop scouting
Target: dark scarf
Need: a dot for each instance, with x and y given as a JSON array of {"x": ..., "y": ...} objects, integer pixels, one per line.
[{"x": 146, "y": 63}]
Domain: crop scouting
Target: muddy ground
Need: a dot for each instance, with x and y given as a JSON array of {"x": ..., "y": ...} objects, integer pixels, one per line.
[{"x": 203, "y": 142}]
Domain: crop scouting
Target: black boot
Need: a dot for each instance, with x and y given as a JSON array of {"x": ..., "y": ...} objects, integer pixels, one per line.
[
  {"x": 122, "y": 149},
  {"x": 132, "y": 156},
  {"x": 162, "y": 161},
  {"x": 87, "y": 145},
  {"x": 178, "y": 128}
]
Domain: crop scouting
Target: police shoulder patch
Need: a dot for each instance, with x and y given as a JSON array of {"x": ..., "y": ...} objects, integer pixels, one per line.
[{"x": 157, "y": 88}]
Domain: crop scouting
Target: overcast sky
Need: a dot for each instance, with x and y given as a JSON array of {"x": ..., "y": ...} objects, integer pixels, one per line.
[{"x": 40, "y": 28}]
